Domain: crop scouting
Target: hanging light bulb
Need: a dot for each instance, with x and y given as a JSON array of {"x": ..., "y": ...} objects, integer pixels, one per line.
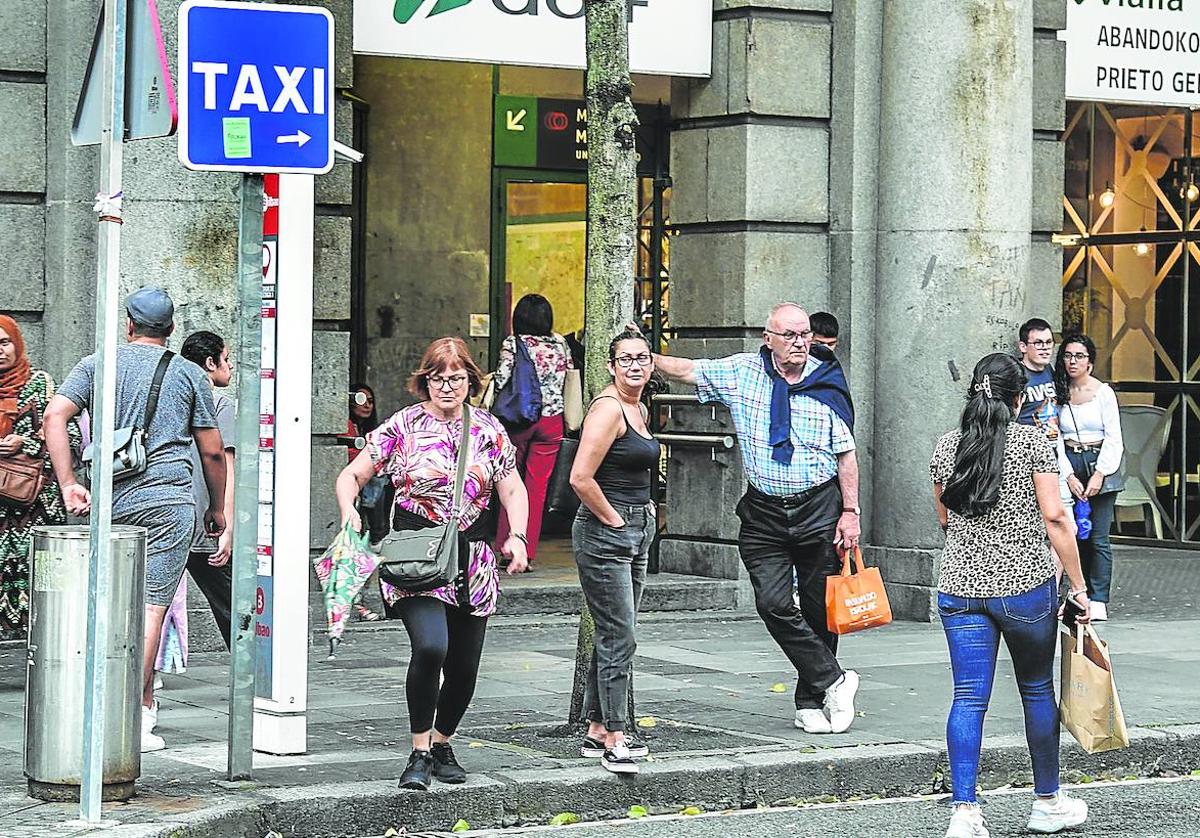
[
  {"x": 1193, "y": 192},
  {"x": 1108, "y": 196},
  {"x": 1141, "y": 249}
]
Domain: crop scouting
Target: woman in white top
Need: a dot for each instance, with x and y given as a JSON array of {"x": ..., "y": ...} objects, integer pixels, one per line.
[{"x": 1089, "y": 456}]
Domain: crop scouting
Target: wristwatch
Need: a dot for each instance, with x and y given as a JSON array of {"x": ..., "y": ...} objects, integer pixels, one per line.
[{"x": 857, "y": 510}]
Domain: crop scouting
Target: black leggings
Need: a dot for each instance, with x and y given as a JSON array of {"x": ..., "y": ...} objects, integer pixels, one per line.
[{"x": 447, "y": 641}]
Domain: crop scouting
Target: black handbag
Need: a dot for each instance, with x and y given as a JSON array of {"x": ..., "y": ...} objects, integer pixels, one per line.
[
  {"x": 560, "y": 497},
  {"x": 427, "y": 559}
]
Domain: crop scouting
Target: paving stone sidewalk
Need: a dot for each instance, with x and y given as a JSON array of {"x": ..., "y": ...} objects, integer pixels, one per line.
[{"x": 715, "y": 686}]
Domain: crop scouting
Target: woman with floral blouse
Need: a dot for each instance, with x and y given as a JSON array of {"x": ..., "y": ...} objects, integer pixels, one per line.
[
  {"x": 537, "y": 446},
  {"x": 417, "y": 449}
]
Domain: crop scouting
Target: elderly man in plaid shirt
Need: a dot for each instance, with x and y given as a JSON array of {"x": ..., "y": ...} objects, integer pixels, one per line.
[{"x": 795, "y": 421}]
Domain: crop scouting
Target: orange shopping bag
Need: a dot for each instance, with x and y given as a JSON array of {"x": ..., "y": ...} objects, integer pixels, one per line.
[{"x": 856, "y": 601}]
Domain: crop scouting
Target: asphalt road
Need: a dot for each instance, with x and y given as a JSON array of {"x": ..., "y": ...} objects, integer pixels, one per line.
[{"x": 1146, "y": 809}]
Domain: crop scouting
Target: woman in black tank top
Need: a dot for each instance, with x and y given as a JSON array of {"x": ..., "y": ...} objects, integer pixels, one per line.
[{"x": 611, "y": 538}]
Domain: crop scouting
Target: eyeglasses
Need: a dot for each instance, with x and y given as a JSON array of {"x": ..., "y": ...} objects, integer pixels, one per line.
[
  {"x": 627, "y": 361},
  {"x": 792, "y": 337},
  {"x": 1040, "y": 344},
  {"x": 448, "y": 382},
  {"x": 1070, "y": 357}
]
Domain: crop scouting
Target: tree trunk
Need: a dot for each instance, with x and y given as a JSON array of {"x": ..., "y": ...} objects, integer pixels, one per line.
[{"x": 611, "y": 231}]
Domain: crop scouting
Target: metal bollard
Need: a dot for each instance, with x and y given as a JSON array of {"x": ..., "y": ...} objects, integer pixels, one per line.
[{"x": 54, "y": 685}]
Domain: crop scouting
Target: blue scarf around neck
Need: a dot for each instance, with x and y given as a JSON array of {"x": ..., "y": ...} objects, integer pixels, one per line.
[{"x": 827, "y": 384}]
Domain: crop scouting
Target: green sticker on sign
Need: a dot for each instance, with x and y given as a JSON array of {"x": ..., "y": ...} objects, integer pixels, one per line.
[{"x": 237, "y": 136}]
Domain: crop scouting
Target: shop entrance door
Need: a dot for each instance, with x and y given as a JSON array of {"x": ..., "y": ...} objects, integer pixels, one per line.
[{"x": 541, "y": 247}]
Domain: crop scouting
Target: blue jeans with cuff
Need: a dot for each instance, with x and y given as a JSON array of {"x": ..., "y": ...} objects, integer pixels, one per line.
[{"x": 974, "y": 626}]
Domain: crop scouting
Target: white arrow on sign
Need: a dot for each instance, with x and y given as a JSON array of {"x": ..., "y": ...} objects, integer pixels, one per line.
[
  {"x": 299, "y": 138},
  {"x": 514, "y": 120}
]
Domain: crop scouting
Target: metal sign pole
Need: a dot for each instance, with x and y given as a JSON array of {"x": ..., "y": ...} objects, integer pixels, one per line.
[
  {"x": 108, "y": 275},
  {"x": 245, "y": 534}
]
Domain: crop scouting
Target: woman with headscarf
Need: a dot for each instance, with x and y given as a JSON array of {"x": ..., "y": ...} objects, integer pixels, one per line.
[{"x": 24, "y": 393}]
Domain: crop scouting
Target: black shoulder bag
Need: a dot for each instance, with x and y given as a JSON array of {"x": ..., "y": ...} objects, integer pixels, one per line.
[
  {"x": 129, "y": 444},
  {"x": 427, "y": 559}
]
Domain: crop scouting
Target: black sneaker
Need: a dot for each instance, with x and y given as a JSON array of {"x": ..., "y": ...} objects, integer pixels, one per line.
[
  {"x": 595, "y": 748},
  {"x": 416, "y": 773},
  {"x": 445, "y": 766},
  {"x": 618, "y": 760}
]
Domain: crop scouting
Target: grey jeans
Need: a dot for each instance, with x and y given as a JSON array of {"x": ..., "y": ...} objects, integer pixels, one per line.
[{"x": 612, "y": 571}]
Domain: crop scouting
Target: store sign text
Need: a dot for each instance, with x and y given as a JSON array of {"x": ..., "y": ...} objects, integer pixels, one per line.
[
  {"x": 666, "y": 37},
  {"x": 1138, "y": 51}
]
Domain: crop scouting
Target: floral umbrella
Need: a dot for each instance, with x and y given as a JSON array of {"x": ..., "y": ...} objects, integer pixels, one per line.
[{"x": 343, "y": 569}]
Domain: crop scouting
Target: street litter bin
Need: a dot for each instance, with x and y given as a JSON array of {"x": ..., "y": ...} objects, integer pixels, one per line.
[{"x": 54, "y": 685}]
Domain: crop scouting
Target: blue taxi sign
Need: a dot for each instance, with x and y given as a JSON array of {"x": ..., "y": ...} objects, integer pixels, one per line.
[{"x": 255, "y": 87}]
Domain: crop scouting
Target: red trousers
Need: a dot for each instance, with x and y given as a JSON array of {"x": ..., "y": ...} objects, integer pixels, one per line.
[{"x": 537, "y": 449}]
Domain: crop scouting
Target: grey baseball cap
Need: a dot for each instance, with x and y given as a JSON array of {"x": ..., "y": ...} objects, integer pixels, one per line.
[{"x": 150, "y": 306}]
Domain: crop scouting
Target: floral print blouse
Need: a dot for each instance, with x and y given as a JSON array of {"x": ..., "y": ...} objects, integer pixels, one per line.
[
  {"x": 419, "y": 454},
  {"x": 551, "y": 359}
]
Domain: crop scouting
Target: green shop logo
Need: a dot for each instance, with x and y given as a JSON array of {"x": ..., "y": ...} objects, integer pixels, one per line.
[
  {"x": 405, "y": 9},
  {"x": 1151, "y": 5}
]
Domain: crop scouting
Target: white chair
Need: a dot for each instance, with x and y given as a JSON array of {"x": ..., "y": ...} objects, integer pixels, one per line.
[{"x": 1145, "y": 441}]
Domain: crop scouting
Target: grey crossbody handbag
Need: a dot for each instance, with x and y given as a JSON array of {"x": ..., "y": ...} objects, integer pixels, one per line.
[
  {"x": 424, "y": 560},
  {"x": 129, "y": 444}
]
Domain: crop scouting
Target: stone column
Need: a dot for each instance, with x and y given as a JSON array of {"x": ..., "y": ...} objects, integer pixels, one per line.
[
  {"x": 750, "y": 166},
  {"x": 23, "y": 169},
  {"x": 955, "y": 195}
]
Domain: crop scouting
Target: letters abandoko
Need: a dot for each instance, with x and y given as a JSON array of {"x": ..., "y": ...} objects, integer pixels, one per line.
[{"x": 1040, "y": 409}]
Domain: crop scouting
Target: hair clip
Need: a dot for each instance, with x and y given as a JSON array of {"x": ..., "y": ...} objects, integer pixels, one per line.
[{"x": 986, "y": 386}]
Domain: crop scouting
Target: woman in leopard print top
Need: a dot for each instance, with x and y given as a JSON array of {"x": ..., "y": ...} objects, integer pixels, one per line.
[{"x": 995, "y": 485}]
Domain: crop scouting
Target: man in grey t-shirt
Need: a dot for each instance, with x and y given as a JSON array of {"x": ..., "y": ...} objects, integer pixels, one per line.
[
  {"x": 159, "y": 499},
  {"x": 208, "y": 560}
]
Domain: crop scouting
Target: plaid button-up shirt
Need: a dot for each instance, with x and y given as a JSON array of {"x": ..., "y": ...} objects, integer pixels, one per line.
[{"x": 740, "y": 383}]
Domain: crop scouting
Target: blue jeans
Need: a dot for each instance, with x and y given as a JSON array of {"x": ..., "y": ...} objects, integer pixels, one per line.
[{"x": 974, "y": 626}]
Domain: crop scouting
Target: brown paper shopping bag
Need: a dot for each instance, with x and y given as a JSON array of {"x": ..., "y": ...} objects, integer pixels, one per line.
[{"x": 1089, "y": 707}]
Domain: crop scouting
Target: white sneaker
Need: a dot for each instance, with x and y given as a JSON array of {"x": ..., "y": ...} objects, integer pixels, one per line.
[
  {"x": 812, "y": 720},
  {"x": 150, "y": 740},
  {"x": 1098, "y": 611},
  {"x": 152, "y": 712},
  {"x": 1057, "y": 813},
  {"x": 967, "y": 822},
  {"x": 839, "y": 701}
]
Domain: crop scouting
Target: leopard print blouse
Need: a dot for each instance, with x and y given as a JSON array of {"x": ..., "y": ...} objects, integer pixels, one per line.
[{"x": 1006, "y": 551}]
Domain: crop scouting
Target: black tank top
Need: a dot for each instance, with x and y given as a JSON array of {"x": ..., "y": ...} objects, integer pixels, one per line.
[{"x": 624, "y": 474}]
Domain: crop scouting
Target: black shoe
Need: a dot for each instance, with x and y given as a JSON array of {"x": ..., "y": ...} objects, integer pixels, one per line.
[
  {"x": 416, "y": 773},
  {"x": 618, "y": 760},
  {"x": 445, "y": 766},
  {"x": 595, "y": 748}
]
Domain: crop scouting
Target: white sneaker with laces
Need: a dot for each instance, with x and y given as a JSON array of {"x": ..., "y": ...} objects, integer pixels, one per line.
[
  {"x": 967, "y": 822},
  {"x": 1054, "y": 814},
  {"x": 1098, "y": 611},
  {"x": 839, "y": 701},
  {"x": 151, "y": 741},
  {"x": 812, "y": 720}
]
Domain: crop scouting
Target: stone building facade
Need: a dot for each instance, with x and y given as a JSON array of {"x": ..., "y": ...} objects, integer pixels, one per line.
[{"x": 897, "y": 163}]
